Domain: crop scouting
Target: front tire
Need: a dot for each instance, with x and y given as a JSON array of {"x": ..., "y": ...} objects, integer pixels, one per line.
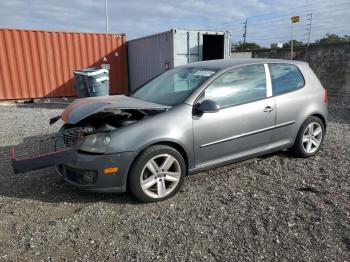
[
  {"x": 310, "y": 137},
  {"x": 157, "y": 174}
]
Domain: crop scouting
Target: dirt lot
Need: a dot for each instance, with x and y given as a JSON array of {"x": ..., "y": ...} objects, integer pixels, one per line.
[{"x": 272, "y": 208}]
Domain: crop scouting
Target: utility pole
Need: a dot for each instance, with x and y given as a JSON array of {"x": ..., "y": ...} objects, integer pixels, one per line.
[
  {"x": 106, "y": 15},
  {"x": 291, "y": 41},
  {"x": 308, "y": 33},
  {"x": 309, "y": 18},
  {"x": 294, "y": 19},
  {"x": 245, "y": 30}
]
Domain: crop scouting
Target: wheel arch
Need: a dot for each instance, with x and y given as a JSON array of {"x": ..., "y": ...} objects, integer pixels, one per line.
[
  {"x": 170, "y": 143},
  {"x": 177, "y": 146},
  {"x": 306, "y": 116},
  {"x": 323, "y": 119},
  {"x": 296, "y": 148}
]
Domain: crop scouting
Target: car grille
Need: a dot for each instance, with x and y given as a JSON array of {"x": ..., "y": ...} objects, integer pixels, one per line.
[{"x": 81, "y": 176}]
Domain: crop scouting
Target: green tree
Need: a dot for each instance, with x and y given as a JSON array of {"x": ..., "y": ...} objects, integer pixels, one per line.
[
  {"x": 295, "y": 43},
  {"x": 240, "y": 46},
  {"x": 333, "y": 39}
]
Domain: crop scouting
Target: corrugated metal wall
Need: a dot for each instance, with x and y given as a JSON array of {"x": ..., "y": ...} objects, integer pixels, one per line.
[
  {"x": 36, "y": 64},
  {"x": 151, "y": 55}
]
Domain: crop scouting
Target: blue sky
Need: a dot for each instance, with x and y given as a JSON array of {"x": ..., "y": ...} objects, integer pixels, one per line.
[{"x": 268, "y": 21}]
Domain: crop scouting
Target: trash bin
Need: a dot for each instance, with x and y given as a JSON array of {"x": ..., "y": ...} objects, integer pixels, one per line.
[
  {"x": 92, "y": 82},
  {"x": 80, "y": 85},
  {"x": 99, "y": 88},
  {"x": 98, "y": 82},
  {"x": 80, "y": 79}
]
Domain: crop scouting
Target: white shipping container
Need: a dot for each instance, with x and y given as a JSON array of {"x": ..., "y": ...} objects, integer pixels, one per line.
[{"x": 151, "y": 55}]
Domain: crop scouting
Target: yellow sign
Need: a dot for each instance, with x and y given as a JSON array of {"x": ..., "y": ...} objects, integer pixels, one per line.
[{"x": 295, "y": 19}]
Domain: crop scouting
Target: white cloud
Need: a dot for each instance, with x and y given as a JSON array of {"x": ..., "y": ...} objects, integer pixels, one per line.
[{"x": 268, "y": 21}]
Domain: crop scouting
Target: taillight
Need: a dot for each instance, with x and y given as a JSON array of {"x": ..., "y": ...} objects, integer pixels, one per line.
[{"x": 325, "y": 96}]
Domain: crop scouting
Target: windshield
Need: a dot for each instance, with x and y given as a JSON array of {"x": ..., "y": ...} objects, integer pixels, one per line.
[{"x": 173, "y": 86}]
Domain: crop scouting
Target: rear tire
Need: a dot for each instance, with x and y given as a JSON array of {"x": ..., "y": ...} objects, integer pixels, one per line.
[
  {"x": 157, "y": 174},
  {"x": 310, "y": 137}
]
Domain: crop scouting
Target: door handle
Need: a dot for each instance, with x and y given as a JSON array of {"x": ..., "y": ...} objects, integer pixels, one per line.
[{"x": 268, "y": 109}]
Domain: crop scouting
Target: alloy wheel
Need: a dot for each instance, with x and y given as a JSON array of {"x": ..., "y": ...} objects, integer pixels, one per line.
[
  {"x": 312, "y": 137},
  {"x": 160, "y": 176}
]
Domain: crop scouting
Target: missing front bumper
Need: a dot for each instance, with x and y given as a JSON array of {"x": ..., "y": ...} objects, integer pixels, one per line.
[
  {"x": 46, "y": 151},
  {"x": 21, "y": 165}
]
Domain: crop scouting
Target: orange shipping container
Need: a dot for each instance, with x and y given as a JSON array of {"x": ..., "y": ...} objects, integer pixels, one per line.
[{"x": 36, "y": 64}]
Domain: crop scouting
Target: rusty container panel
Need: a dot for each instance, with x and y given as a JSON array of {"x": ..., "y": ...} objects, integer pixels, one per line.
[{"x": 35, "y": 64}]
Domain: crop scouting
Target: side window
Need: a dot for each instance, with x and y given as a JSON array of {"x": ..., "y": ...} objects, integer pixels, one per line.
[
  {"x": 238, "y": 86},
  {"x": 285, "y": 78}
]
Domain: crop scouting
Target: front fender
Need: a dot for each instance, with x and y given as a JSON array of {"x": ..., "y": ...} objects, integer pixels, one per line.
[{"x": 174, "y": 125}]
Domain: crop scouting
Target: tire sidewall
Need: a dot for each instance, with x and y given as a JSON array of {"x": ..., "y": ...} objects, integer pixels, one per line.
[{"x": 139, "y": 164}]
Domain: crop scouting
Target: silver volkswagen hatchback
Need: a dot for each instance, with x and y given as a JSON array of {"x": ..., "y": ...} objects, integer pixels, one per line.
[{"x": 192, "y": 118}]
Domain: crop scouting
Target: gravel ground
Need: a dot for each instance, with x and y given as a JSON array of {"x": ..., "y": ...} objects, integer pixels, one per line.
[{"x": 275, "y": 207}]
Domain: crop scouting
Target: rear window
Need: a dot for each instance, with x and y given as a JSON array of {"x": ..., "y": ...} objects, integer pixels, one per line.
[{"x": 285, "y": 78}]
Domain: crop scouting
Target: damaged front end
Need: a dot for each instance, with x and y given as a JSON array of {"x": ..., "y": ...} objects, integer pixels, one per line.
[
  {"x": 87, "y": 128},
  {"x": 47, "y": 150},
  {"x": 99, "y": 126}
]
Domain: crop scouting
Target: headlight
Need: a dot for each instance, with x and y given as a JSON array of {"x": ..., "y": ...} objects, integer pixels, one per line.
[{"x": 95, "y": 143}]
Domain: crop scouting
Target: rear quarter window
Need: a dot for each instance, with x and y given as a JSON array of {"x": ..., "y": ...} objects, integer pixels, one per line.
[{"x": 285, "y": 78}]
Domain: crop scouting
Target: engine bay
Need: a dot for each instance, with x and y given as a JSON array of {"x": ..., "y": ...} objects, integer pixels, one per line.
[{"x": 112, "y": 119}]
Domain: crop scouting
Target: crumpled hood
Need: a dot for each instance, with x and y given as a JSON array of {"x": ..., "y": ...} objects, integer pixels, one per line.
[{"x": 85, "y": 107}]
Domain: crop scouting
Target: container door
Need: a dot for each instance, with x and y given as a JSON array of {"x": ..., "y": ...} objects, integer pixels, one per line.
[
  {"x": 227, "y": 45},
  {"x": 186, "y": 47},
  {"x": 213, "y": 47}
]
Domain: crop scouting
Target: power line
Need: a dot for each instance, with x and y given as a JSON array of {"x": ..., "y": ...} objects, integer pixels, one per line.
[
  {"x": 315, "y": 27},
  {"x": 274, "y": 38},
  {"x": 286, "y": 37},
  {"x": 273, "y": 22},
  {"x": 332, "y": 28},
  {"x": 299, "y": 38},
  {"x": 318, "y": 24},
  {"x": 315, "y": 4},
  {"x": 273, "y": 25},
  {"x": 332, "y": 8}
]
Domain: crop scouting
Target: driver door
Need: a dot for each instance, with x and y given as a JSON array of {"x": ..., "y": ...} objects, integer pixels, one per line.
[{"x": 245, "y": 121}]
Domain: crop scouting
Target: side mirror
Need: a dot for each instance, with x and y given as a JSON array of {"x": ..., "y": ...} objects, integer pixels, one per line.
[{"x": 206, "y": 106}]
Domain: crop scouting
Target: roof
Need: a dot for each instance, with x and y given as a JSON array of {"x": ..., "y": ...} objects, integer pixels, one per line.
[
  {"x": 228, "y": 63},
  {"x": 175, "y": 30}
]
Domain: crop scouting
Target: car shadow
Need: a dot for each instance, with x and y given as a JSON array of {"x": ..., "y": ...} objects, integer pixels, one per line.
[
  {"x": 46, "y": 185},
  {"x": 282, "y": 153}
]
